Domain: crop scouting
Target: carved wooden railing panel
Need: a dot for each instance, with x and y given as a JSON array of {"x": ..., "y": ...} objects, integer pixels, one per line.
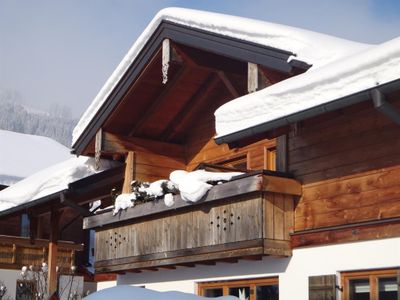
[
  {"x": 246, "y": 217},
  {"x": 16, "y": 252}
]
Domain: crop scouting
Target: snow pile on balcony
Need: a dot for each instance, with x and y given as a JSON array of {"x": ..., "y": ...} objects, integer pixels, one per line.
[
  {"x": 122, "y": 292},
  {"x": 314, "y": 48},
  {"x": 358, "y": 72},
  {"x": 50, "y": 180},
  {"x": 192, "y": 187},
  {"x": 22, "y": 155}
]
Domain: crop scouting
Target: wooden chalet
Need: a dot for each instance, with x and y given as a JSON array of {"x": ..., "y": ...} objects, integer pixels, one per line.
[
  {"x": 316, "y": 204},
  {"x": 49, "y": 229}
]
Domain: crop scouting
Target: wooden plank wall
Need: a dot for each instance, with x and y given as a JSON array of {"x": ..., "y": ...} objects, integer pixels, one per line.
[
  {"x": 350, "y": 167},
  {"x": 151, "y": 167},
  {"x": 200, "y": 146},
  {"x": 208, "y": 225}
]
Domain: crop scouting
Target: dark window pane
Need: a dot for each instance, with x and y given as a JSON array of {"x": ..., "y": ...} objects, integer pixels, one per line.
[
  {"x": 213, "y": 293},
  {"x": 267, "y": 292},
  {"x": 243, "y": 292},
  {"x": 359, "y": 289},
  {"x": 388, "y": 288}
]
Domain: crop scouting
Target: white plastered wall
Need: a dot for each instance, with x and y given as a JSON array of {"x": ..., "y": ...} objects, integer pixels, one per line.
[
  {"x": 9, "y": 278},
  {"x": 293, "y": 272}
]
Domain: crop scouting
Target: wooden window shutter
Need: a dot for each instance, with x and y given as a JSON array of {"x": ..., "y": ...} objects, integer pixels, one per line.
[{"x": 322, "y": 287}]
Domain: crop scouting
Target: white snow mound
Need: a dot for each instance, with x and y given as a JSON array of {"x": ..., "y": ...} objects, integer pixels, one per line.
[
  {"x": 193, "y": 185},
  {"x": 127, "y": 292}
]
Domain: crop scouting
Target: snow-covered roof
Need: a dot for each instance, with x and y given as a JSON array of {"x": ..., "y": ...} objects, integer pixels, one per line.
[
  {"x": 23, "y": 154},
  {"x": 357, "y": 72},
  {"x": 50, "y": 180},
  {"x": 313, "y": 48}
]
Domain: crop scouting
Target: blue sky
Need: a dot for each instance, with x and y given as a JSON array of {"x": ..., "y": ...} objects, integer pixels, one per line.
[{"x": 64, "y": 51}]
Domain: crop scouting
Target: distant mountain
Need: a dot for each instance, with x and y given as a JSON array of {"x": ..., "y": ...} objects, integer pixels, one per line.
[{"x": 56, "y": 124}]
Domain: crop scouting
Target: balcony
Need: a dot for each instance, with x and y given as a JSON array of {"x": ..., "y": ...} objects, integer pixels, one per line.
[
  {"x": 16, "y": 252},
  {"x": 249, "y": 217}
]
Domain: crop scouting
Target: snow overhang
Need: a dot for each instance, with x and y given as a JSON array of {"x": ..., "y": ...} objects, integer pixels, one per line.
[
  {"x": 80, "y": 191},
  {"x": 120, "y": 82},
  {"x": 330, "y": 106}
]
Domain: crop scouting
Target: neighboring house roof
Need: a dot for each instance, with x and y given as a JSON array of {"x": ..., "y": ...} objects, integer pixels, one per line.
[
  {"x": 23, "y": 154},
  {"x": 335, "y": 85},
  {"x": 51, "y": 181},
  {"x": 288, "y": 43}
]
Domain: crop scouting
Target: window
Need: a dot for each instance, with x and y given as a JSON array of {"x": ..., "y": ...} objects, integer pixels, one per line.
[
  {"x": 238, "y": 162},
  {"x": 370, "y": 285},
  {"x": 252, "y": 289}
]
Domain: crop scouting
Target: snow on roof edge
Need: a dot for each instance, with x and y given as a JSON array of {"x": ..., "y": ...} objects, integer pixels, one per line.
[
  {"x": 376, "y": 66},
  {"x": 302, "y": 42},
  {"x": 51, "y": 180}
]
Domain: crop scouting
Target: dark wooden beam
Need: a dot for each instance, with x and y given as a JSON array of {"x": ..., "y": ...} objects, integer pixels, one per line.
[
  {"x": 167, "y": 267},
  {"x": 113, "y": 143},
  {"x": 228, "y": 84},
  {"x": 149, "y": 269},
  {"x": 153, "y": 107},
  {"x": 185, "y": 113},
  {"x": 229, "y": 260},
  {"x": 82, "y": 211},
  {"x": 186, "y": 265},
  {"x": 252, "y": 258},
  {"x": 207, "y": 263}
]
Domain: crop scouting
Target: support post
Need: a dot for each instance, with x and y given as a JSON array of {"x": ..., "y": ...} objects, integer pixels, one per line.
[
  {"x": 52, "y": 257},
  {"x": 129, "y": 172},
  {"x": 252, "y": 77},
  {"x": 166, "y": 58}
]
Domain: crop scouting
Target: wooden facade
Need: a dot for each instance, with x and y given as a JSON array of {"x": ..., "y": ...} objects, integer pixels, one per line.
[
  {"x": 16, "y": 252},
  {"x": 349, "y": 165},
  {"x": 161, "y": 124},
  {"x": 334, "y": 176},
  {"x": 251, "y": 216}
]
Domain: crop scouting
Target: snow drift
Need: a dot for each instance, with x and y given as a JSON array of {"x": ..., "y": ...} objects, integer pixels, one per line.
[{"x": 122, "y": 292}]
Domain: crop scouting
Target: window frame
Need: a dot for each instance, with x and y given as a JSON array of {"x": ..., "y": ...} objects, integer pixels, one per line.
[
  {"x": 226, "y": 284},
  {"x": 372, "y": 275}
]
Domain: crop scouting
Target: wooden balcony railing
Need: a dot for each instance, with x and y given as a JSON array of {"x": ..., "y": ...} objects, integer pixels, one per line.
[
  {"x": 16, "y": 252},
  {"x": 251, "y": 216}
]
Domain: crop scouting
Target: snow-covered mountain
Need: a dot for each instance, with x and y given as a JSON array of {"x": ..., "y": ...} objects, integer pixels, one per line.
[{"x": 56, "y": 124}]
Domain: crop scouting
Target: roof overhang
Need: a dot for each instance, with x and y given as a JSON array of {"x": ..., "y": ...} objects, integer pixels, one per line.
[
  {"x": 273, "y": 58},
  {"x": 285, "y": 121},
  {"x": 80, "y": 192}
]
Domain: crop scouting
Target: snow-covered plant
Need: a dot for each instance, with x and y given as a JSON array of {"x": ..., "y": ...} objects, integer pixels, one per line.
[
  {"x": 242, "y": 295},
  {"x": 34, "y": 282},
  {"x": 3, "y": 290}
]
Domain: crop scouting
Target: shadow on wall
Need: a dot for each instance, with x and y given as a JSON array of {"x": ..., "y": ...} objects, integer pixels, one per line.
[{"x": 269, "y": 266}]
